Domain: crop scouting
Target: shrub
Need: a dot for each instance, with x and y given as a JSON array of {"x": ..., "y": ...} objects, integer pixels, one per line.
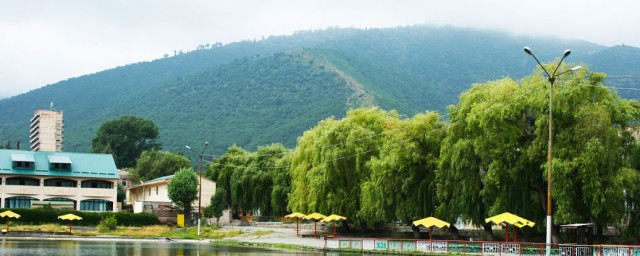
[
  {"x": 45, "y": 216},
  {"x": 108, "y": 223}
]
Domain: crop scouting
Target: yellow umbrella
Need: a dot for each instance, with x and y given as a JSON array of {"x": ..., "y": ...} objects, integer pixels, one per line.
[
  {"x": 430, "y": 222},
  {"x": 512, "y": 219},
  {"x": 297, "y": 216},
  {"x": 315, "y": 217},
  {"x": 69, "y": 217},
  {"x": 9, "y": 215},
  {"x": 333, "y": 218}
]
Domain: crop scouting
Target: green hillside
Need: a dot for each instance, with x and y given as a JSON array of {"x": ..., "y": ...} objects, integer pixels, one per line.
[{"x": 253, "y": 93}]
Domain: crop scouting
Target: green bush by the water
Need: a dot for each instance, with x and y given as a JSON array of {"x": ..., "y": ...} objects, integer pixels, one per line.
[
  {"x": 108, "y": 223},
  {"x": 43, "y": 216}
]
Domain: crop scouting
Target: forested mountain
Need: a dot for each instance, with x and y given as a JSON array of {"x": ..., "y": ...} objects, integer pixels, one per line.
[{"x": 253, "y": 93}]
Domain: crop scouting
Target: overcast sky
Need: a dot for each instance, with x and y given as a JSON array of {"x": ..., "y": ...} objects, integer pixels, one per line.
[{"x": 43, "y": 42}]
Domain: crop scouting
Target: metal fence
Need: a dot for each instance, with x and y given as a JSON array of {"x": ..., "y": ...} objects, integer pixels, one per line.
[{"x": 477, "y": 247}]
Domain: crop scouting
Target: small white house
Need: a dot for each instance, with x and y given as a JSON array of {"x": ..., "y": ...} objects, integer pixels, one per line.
[{"x": 153, "y": 195}]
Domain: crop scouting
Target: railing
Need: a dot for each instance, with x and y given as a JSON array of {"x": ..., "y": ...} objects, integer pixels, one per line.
[{"x": 476, "y": 247}]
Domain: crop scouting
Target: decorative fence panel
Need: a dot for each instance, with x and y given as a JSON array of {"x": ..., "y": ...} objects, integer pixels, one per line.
[{"x": 477, "y": 247}]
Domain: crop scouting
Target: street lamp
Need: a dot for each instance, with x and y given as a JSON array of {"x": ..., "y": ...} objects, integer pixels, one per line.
[
  {"x": 199, "y": 184},
  {"x": 552, "y": 79}
]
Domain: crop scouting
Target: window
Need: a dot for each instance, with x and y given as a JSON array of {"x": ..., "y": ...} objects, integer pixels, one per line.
[
  {"x": 96, "y": 205},
  {"x": 23, "y": 181},
  {"x": 60, "y": 167},
  {"x": 18, "y": 202},
  {"x": 156, "y": 190},
  {"x": 96, "y": 184},
  {"x": 23, "y": 165},
  {"x": 61, "y": 199},
  {"x": 149, "y": 189},
  {"x": 60, "y": 183}
]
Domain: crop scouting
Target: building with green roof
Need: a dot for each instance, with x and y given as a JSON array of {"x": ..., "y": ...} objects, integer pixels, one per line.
[{"x": 87, "y": 180}]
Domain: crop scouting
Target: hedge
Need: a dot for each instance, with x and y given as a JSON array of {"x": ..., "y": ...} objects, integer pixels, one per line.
[{"x": 45, "y": 216}]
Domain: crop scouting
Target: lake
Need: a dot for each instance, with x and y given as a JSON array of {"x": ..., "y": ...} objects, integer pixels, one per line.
[{"x": 9, "y": 246}]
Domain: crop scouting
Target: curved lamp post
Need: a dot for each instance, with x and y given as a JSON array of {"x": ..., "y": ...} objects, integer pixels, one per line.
[
  {"x": 552, "y": 79},
  {"x": 199, "y": 183}
]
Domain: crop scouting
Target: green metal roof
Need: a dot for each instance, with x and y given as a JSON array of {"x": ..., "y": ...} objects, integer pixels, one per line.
[
  {"x": 22, "y": 158},
  {"x": 82, "y": 164},
  {"x": 154, "y": 180}
]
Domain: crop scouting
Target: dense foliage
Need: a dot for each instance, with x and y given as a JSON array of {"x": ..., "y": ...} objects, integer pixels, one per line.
[
  {"x": 274, "y": 89},
  {"x": 255, "y": 180},
  {"x": 183, "y": 189},
  {"x": 153, "y": 164},
  {"x": 493, "y": 158},
  {"x": 126, "y": 138},
  {"x": 376, "y": 167},
  {"x": 371, "y": 166},
  {"x": 218, "y": 204}
]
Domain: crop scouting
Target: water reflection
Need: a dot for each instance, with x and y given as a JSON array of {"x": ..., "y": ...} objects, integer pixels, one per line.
[{"x": 153, "y": 248}]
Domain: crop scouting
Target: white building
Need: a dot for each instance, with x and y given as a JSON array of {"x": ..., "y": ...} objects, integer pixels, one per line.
[
  {"x": 85, "y": 182},
  {"x": 46, "y": 131}
]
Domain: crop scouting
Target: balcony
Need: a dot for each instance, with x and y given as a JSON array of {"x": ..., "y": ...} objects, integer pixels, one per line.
[
  {"x": 97, "y": 192},
  {"x": 21, "y": 190},
  {"x": 33, "y": 129}
]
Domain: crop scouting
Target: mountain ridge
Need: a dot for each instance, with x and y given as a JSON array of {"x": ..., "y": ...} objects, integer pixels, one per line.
[{"x": 262, "y": 89}]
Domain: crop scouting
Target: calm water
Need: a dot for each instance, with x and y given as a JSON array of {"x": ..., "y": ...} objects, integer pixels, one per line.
[{"x": 70, "y": 247}]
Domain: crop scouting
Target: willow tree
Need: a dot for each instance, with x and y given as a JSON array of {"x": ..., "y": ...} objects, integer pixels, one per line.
[
  {"x": 328, "y": 166},
  {"x": 401, "y": 185},
  {"x": 494, "y": 156},
  {"x": 255, "y": 180},
  {"x": 222, "y": 169}
]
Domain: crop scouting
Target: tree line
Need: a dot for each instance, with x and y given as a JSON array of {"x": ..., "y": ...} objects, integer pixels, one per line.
[{"x": 376, "y": 166}]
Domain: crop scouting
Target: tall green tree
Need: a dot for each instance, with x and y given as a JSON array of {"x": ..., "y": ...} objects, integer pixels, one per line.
[
  {"x": 218, "y": 203},
  {"x": 402, "y": 182},
  {"x": 630, "y": 177},
  {"x": 329, "y": 165},
  {"x": 126, "y": 138},
  {"x": 255, "y": 180},
  {"x": 154, "y": 163},
  {"x": 493, "y": 159},
  {"x": 183, "y": 189}
]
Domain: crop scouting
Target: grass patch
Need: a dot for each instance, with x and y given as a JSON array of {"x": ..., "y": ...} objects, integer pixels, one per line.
[
  {"x": 260, "y": 233},
  {"x": 139, "y": 232},
  {"x": 205, "y": 233},
  {"x": 40, "y": 228},
  {"x": 266, "y": 245},
  {"x": 208, "y": 232}
]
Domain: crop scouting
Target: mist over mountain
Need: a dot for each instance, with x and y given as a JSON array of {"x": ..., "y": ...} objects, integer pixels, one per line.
[{"x": 252, "y": 93}]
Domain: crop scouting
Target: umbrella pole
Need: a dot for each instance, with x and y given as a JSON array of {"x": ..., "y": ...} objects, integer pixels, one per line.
[
  {"x": 69, "y": 226},
  {"x": 314, "y": 228},
  {"x": 515, "y": 234},
  {"x": 297, "y": 233},
  {"x": 8, "y": 224},
  {"x": 506, "y": 232},
  {"x": 334, "y": 230},
  {"x": 430, "y": 235}
]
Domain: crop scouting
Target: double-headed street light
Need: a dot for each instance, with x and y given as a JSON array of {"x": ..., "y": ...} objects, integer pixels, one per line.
[
  {"x": 552, "y": 79},
  {"x": 199, "y": 184}
]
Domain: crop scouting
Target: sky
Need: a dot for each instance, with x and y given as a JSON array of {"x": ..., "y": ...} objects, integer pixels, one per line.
[{"x": 43, "y": 42}]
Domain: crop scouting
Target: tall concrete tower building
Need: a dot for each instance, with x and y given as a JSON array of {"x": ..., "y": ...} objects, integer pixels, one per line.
[{"x": 46, "y": 130}]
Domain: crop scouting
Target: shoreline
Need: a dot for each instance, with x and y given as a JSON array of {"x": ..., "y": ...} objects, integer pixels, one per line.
[
  {"x": 277, "y": 237},
  {"x": 104, "y": 238}
]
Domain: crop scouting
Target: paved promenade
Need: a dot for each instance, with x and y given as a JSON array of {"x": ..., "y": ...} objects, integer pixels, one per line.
[{"x": 279, "y": 235}]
